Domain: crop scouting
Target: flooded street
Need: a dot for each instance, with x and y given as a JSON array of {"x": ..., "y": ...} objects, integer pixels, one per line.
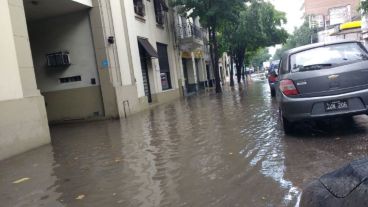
[{"x": 206, "y": 150}]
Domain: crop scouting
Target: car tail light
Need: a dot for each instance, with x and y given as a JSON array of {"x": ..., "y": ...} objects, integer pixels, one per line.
[{"x": 288, "y": 88}]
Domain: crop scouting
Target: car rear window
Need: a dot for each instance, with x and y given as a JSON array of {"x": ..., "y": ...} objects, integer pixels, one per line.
[{"x": 327, "y": 57}]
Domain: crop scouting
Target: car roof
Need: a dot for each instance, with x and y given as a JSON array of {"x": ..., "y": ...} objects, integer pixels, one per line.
[{"x": 315, "y": 45}]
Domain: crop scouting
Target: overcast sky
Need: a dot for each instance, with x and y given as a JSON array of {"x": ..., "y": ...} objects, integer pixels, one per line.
[{"x": 293, "y": 14}]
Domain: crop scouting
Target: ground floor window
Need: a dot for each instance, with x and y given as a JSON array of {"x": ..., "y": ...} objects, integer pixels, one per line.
[
  {"x": 165, "y": 81},
  {"x": 164, "y": 66}
]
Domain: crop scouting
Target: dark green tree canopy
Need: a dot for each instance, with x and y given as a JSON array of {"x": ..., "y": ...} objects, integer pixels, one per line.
[
  {"x": 210, "y": 12},
  {"x": 364, "y": 6},
  {"x": 256, "y": 58},
  {"x": 259, "y": 25}
]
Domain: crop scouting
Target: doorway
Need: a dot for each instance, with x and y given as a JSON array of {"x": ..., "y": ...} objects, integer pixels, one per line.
[
  {"x": 144, "y": 57},
  {"x": 186, "y": 77}
]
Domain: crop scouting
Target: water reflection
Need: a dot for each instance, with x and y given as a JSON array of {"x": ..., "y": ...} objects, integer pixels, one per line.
[
  {"x": 206, "y": 150},
  {"x": 267, "y": 146}
]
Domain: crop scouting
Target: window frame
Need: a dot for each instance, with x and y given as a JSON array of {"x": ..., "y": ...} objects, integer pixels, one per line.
[{"x": 136, "y": 11}]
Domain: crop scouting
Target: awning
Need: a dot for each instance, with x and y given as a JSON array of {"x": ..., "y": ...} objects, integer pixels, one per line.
[
  {"x": 148, "y": 47},
  {"x": 164, "y": 5}
]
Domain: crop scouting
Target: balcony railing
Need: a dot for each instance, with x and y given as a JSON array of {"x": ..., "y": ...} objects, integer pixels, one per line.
[{"x": 189, "y": 30}]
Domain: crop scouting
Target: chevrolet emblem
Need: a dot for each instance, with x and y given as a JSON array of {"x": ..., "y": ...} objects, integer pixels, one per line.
[{"x": 333, "y": 77}]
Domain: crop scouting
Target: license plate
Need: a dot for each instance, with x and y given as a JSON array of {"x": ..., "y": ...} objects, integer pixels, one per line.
[{"x": 336, "y": 105}]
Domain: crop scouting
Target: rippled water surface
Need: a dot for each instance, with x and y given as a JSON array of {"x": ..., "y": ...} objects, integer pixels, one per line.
[{"x": 206, "y": 150}]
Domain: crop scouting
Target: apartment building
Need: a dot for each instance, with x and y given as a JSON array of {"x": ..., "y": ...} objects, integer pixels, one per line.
[
  {"x": 327, "y": 13},
  {"x": 66, "y": 60},
  {"x": 334, "y": 19},
  {"x": 192, "y": 41}
]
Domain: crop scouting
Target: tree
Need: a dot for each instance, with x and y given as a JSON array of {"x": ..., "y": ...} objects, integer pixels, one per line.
[
  {"x": 258, "y": 26},
  {"x": 212, "y": 14},
  {"x": 301, "y": 36},
  {"x": 364, "y": 6},
  {"x": 257, "y": 58}
]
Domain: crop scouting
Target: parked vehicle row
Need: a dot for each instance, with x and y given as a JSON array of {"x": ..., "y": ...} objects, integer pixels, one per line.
[{"x": 320, "y": 81}]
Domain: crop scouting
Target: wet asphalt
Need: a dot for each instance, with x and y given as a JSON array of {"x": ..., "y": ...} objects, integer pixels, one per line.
[{"x": 205, "y": 150}]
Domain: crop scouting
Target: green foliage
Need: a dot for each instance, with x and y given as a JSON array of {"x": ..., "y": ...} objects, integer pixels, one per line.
[
  {"x": 258, "y": 26},
  {"x": 364, "y": 6},
  {"x": 236, "y": 27},
  {"x": 256, "y": 58},
  {"x": 210, "y": 12},
  {"x": 301, "y": 36}
]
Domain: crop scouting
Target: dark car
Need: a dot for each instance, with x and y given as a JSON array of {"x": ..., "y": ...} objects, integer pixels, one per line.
[
  {"x": 322, "y": 80},
  {"x": 272, "y": 76}
]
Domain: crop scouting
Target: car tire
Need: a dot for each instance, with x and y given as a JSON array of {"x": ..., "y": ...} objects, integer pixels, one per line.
[
  {"x": 287, "y": 126},
  {"x": 273, "y": 93}
]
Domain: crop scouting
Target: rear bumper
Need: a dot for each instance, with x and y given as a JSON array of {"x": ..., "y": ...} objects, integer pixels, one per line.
[{"x": 296, "y": 109}]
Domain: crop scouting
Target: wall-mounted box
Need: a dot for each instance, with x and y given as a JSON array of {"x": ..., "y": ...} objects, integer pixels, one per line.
[{"x": 58, "y": 59}]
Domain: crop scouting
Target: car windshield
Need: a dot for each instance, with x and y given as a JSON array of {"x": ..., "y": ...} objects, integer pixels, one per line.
[{"x": 327, "y": 57}]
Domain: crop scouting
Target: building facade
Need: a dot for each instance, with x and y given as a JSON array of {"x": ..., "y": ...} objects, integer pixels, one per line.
[
  {"x": 67, "y": 60},
  {"x": 192, "y": 42},
  {"x": 334, "y": 19},
  {"x": 327, "y": 13}
]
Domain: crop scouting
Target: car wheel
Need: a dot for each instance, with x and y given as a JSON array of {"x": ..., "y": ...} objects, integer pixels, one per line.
[
  {"x": 273, "y": 93},
  {"x": 287, "y": 126}
]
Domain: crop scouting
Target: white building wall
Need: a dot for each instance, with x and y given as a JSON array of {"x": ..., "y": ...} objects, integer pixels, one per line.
[
  {"x": 10, "y": 83},
  {"x": 71, "y": 32},
  {"x": 122, "y": 42},
  {"x": 147, "y": 28},
  {"x": 23, "y": 121}
]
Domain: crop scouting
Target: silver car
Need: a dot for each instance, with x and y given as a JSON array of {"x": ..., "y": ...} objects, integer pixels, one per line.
[{"x": 322, "y": 80}]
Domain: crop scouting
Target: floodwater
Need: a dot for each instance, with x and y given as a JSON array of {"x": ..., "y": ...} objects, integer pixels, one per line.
[{"x": 206, "y": 150}]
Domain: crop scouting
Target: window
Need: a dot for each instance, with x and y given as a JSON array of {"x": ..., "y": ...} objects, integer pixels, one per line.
[
  {"x": 139, "y": 7},
  {"x": 327, "y": 57},
  {"x": 160, "y": 11},
  {"x": 163, "y": 60}
]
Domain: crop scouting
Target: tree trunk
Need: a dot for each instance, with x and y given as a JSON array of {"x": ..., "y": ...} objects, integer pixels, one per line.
[
  {"x": 232, "y": 70},
  {"x": 216, "y": 56},
  {"x": 239, "y": 61},
  {"x": 211, "y": 49},
  {"x": 238, "y": 72}
]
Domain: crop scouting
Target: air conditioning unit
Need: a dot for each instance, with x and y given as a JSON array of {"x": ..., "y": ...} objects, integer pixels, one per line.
[{"x": 58, "y": 59}]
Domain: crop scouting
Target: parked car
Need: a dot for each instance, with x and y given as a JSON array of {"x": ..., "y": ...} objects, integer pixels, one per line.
[
  {"x": 322, "y": 80},
  {"x": 272, "y": 76}
]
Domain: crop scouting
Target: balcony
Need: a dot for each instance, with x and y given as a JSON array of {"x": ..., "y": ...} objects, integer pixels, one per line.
[{"x": 190, "y": 36}]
